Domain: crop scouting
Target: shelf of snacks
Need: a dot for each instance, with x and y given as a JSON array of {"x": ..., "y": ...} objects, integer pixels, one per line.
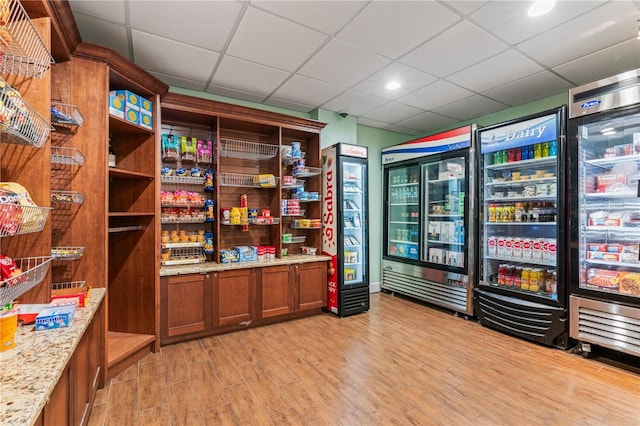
[
  {"x": 306, "y": 224},
  {"x": 233, "y": 148},
  {"x": 288, "y": 158},
  {"x": 181, "y": 199},
  {"x": 71, "y": 197},
  {"x": 68, "y": 156},
  {"x": 182, "y": 238},
  {"x": 248, "y": 181},
  {"x": 184, "y": 148},
  {"x": 65, "y": 115},
  {"x": 293, "y": 239},
  {"x": 305, "y": 171},
  {"x": 19, "y": 123},
  {"x": 16, "y": 219},
  {"x": 67, "y": 253},
  {"x": 23, "y": 50},
  {"x": 199, "y": 217},
  {"x": 24, "y": 274},
  {"x": 298, "y": 213},
  {"x": 288, "y": 182},
  {"x": 187, "y": 244}
]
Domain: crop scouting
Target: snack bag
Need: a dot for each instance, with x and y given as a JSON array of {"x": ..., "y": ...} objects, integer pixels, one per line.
[
  {"x": 10, "y": 274},
  {"x": 170, "y": 148},
  {"x": 205, "y": 152},
  {"x": 188, "y": 146}
]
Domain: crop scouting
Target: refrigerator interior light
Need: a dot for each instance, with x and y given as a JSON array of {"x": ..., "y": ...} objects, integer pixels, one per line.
[{"x": 609, "y": 133}]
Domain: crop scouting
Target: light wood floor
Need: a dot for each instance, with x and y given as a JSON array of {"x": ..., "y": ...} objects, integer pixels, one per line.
[{"x": 401, "y": 363}]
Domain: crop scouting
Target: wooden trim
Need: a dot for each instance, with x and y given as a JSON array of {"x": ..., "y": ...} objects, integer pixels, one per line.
[
  {"x": 64, "y": 31},
  {"x": 130, "y": 75},
  {"x": 201, "y": 106}
]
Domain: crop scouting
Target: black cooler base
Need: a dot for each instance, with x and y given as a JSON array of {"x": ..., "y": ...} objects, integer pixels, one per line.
[
  {"x": 529, "y": 320},
  {"x": 354, "y": 301}
]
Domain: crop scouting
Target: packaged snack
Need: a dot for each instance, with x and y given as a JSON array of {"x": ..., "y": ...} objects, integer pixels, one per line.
[
  {"x": 196, "y": 172},
  {"x": 630, "y": 283},
  {"x": 204, "y": 152},
  {"x": 170, "y": 148},
  {"x": 188, "y": 148},
  {"x": 10, "y": 274}
]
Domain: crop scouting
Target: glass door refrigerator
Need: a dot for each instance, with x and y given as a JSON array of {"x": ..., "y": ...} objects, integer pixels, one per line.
[
  {"x": 345, "y": 227},
  {"x": 429, "y": 228},
  {"x": 604, "y": 130},
  {"x": 522, "y": 265}
]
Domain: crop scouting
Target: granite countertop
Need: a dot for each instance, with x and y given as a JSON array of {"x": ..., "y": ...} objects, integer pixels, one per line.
[
  {"x": 30, "y": 371},
  {"x": 202, "y": 268}
]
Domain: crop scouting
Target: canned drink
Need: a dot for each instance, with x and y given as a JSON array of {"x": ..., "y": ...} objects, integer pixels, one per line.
[
  {"x": 545, "y": 149},
  {"x": 537, "y": 151},
  {"x": 553, "y": 148},
  {"x": 530, "y": 152},
  {"x": 524, "y": 153}
]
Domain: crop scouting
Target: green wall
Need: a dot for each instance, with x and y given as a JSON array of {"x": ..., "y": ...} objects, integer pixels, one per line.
[{"x": 347, "y": 130}]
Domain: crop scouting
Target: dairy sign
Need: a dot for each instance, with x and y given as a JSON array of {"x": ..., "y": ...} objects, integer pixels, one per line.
[
  {"x": 529, "y": 132},
  {"x": 329, "y": 222},
  {"x": 434, "y": 144}
]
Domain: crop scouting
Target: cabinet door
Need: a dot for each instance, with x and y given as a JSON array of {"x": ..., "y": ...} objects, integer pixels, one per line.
[
  {"x": 312, "y": 285},
  {"x": 234, "y": 296},
  {"x": 276, "y": 291},
  {"x": 80, "y": 382},
  {"x": 56, "y": 412},
  {"x": 185, "y": 303}
]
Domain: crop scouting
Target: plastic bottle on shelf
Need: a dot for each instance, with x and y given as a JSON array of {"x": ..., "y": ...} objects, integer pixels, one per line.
[{"x": 553, "y": 148}]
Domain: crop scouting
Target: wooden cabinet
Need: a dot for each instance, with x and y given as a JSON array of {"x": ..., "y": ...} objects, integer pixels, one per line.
[
  {"x": 185, "y": 305},
  {"x": 233, "y": 296},
  {"x": 310, "y": 285},
  {"x": 275, "y": 291}
]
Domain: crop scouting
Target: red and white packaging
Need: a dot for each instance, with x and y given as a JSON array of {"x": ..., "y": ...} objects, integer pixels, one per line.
[{"x": 492, "y": 246}]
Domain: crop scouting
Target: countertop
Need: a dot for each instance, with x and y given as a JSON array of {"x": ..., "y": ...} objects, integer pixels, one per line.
[
  {"x": 30, "y": 371},
  {"x": 203, "y": 268}
]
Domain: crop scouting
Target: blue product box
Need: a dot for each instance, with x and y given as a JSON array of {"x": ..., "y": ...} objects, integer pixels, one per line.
[
  {"x": 146, "y": 120},
  {"x": 413, "y": 252},
  {"x": 146, "y": 106},
  {"x": 247, "y": 253},
  {"x": 116, "y": 106},
  {"x": 131, "y": 100},
  {"x": 228, "y": 256},
  {"x": 132, "y": 115},
  {"x": 55, "y": 317}
]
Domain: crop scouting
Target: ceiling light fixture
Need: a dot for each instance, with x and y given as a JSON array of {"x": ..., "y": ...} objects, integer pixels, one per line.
[
  {"x": 541, "y": 7},
  {"x": 609, "y": 133},
  {"x": 392, "y": 85}
]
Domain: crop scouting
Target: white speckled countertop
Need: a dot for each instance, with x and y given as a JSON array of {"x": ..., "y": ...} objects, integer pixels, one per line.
[
  {"x": 30, "y": 371},
  {"x": 199, "y": 268}
]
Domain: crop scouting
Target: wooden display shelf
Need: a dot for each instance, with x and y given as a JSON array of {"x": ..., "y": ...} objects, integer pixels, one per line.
[
  {"x": 125, "y": 349},
  {"x": 118, "y": 125},
  {"x": 128, "y": 174}
]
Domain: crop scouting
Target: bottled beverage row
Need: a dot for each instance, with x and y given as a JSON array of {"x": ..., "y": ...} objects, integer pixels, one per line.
[
  {"x": 529, "y": 152},
  {"x": 536, "y": 280},
  {"x": 408, "y": 194},
  {"x": 522, "y": 212}
]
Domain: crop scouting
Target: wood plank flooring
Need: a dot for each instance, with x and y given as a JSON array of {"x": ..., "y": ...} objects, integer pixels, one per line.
[{"x": 401, "y": 363}]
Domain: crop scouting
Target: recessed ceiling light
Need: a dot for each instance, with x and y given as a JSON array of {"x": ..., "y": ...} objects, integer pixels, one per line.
[
  {"x": 392, "y": 85},
  {"x": 541, "y": 7}
]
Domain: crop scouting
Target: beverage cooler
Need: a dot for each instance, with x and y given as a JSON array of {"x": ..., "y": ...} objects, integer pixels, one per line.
[
  {"x": 604, "y": 130},
  {"x": 345, "y": 227},
  {"x": 429, "y": 231},
  {"x": 522, "y": 267}
]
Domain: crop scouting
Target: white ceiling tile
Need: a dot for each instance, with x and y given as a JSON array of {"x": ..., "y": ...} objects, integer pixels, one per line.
[
  {"x": 427, "y": 121},
  {"x": 474, "y": 106},
  {"x": 604, "y": 26},
  {"x": 472, "y": 45},
  {"x": 179, "y": 82},
  {"x": 372, "y": 123},
  {"x": 342, "y": 64},
  {"x": 205, "y": 24},
  {"x": 410, "y": 78},
  {"x": 104, "y": 33},
  {"x": 325, "y": 16},
  {"x": 172, "y": 58},
  {"x": 509, "y": 20},
  {"x": 435, "y": 95},
  {"x": 235, "y": 94},
  {"x": 405, "y": 130},
  {"x": 392, "y": 28},
  {"x": 356, "y": 103},
  {"x": 293, "y": 106},
  {"x": 604, "y": 63},
  {"x": 392, "y": 111},
  {"x": 466, "y": 7},
  {"x": 306, "y": 91},
  {"x": 112, "y": 10},
  {"x": 529, "y": 88},
  {"x": 493, "y": 72},
  {"x": 267, "y": 39},
  {"x": 246, "y": 76}
]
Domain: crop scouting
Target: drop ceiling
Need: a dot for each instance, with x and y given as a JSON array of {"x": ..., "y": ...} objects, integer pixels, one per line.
[{"x": 456, "y": 60}]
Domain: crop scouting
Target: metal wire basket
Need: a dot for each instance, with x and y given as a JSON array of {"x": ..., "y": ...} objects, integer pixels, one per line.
[
  {"x": 68, "y": 285},
  {"x": 71, "y": 197},
  {"x": 34, "y": 269},
  {"x": 232, "y": 148},
  {"x": 64, "y": 155},
  {"x": 67, "y": 253},
  {"x": 24, "y": 52},
  {"x": 242, "y": 180},
  {"x": 16, "y": 219},
  {"x": 65, "y": 115}
]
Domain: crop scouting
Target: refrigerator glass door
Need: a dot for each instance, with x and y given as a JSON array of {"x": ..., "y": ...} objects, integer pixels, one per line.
[
  {"x": 403, "y": 229},
  {"x": 444, "y": 183},
  {"x": 354, "y": 175},
  {"x": 519, "y": 227},
  {"x": 609, "y": 206}
]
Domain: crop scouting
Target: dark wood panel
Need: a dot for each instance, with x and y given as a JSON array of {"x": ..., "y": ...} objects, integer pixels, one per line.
[
  {"x": 275, "y": 293},
  {"x": 235, "y": 296},
  {"x": 185, "y": 303},
  {"x": 312, "y": 285},
  {"x": 56, "y": 412}
]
